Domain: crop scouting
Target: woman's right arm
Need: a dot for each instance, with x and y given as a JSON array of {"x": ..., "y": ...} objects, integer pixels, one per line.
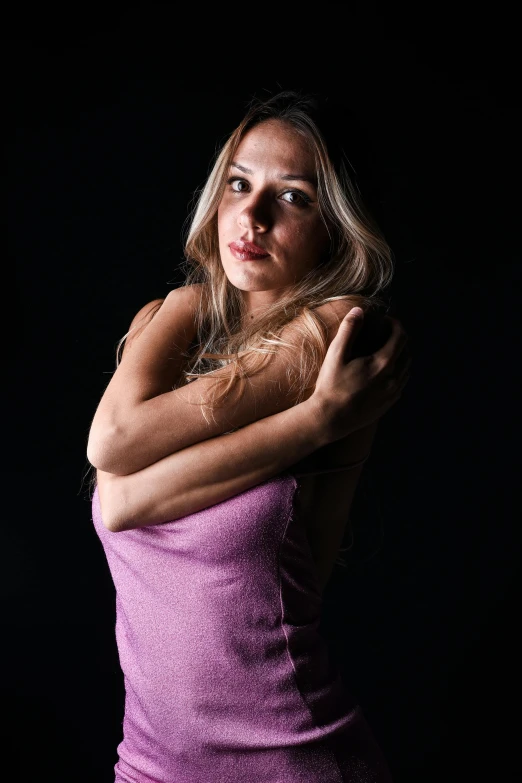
[
  {"x": 141, "y": 418},
  {"x": 348, "y": 396},
  {"x": 212, "y": 471}
]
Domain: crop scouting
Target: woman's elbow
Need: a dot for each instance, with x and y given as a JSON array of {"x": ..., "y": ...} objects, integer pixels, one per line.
[
  {"x": 99, "y": 457},
  {"x": 107, "y": 452}
]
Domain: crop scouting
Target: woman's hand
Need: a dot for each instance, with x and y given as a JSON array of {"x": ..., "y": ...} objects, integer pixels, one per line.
[{"x": 354, "y": 392}]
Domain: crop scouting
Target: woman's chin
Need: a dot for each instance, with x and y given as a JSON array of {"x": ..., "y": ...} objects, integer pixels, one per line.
[{"x": 250, "y": 282}]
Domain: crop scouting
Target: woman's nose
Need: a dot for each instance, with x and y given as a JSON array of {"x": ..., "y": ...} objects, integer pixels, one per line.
[{"x": 255, "y": 215}]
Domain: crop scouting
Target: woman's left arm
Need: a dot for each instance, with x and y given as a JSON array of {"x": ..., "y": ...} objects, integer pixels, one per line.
[{"x": 209, "y": 473}]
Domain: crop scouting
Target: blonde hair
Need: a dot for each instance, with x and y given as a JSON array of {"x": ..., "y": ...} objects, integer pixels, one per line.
[{"x": 359, "y": 266}]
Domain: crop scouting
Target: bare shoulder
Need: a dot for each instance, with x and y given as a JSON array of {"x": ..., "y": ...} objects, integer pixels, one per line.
[
  {"x": 186, "y": 293},
  {"x": 333, "y": 312},
  {"x": 182, "y": 294},
  {"x": 140, "y": 321},
  {"x": 145, "y": 313},
  {"x": 329, "y": 313}
]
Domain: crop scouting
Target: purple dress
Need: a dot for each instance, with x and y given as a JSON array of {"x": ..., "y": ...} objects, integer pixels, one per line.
[{"x": 227, "y": 679}]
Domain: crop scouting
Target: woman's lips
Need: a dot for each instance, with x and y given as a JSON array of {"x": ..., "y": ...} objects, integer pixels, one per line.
[{"x": 247, "y": 251}]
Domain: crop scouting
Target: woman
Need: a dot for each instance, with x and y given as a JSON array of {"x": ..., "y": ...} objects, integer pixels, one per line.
[{"x": 228, "y": 446}]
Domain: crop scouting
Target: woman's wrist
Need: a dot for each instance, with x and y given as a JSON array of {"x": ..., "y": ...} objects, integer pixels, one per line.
[
  {"x": 320, "y": 420},
  {"x": 334, "y": 422}
]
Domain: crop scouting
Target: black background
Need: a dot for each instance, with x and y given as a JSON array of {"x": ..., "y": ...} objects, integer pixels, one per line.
[{"x": 101, "y": 168}]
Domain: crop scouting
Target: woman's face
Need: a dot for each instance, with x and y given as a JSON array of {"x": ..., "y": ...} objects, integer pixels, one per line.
[{"x": 270, "y": 230}]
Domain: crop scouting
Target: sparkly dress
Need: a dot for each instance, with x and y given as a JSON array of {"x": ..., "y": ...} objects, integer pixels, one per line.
[{"x": 227, "y": 678}]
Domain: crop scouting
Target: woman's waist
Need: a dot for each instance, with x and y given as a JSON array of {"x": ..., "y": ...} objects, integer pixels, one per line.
[{"x": 247, "y": 707}]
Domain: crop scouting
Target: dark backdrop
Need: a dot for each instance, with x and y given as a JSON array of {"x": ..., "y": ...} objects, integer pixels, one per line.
[{"x": 101, "y": 171}]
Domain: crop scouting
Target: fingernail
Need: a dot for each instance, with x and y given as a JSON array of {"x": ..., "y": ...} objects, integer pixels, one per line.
[{"x": 356, "y": 311}]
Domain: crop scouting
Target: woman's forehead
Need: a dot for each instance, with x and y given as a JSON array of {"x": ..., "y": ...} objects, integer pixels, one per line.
[{"x": 278, "y": 146}]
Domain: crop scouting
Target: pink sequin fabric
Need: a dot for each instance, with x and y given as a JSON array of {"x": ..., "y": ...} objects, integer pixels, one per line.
[{"x": 227, "y": 679}]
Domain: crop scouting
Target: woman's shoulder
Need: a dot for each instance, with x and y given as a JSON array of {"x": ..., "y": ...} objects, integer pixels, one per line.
[
  {"x": 146, "y": 312},
  {"x": 181, "y": 293},
  {"x": 184, "y": 295},
  {"x": 333, "y": 311},
  {"x": 191, "y": 289},
  {"x": 339, "y": 307}
]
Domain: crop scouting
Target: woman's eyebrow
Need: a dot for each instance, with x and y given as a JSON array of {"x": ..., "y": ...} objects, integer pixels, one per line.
[
  {"x": 300, "y": 177},
  {"x": 241, "y": 168}
]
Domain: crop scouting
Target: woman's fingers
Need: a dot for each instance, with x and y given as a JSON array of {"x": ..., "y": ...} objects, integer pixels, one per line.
[
  {"x": 348, "y": 330},
  {"x": 359, "y": 391}
]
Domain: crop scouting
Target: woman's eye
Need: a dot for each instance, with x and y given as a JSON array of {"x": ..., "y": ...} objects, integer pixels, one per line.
[
  {"x": 295, "y": 197},
  {"x": 238, "y": 185}
]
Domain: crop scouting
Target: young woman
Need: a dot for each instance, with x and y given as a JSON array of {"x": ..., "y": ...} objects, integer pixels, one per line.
[{"x": 228, "y": 446}]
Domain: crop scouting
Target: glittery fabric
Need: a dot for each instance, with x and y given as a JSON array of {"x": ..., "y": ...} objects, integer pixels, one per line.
[{"x": 227, "y": 679}]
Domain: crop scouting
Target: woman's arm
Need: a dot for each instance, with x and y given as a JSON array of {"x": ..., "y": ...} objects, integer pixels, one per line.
[
  {"x": 150, "y": 365},
  {"x": 140, "y": 419},
  {"x": 213, "y": 471},
  {"x": 349, "y": 395}
]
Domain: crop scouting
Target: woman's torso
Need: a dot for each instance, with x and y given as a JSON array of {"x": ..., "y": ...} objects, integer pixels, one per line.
[{"x": 217, "y": 631}]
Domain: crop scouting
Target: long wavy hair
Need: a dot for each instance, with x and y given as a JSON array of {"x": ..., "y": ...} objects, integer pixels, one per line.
[{"x": 358, "y": 266}]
